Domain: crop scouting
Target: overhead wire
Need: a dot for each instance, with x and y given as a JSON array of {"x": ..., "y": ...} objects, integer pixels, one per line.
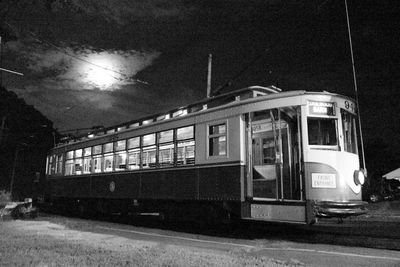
[
  {"x": 62, "y": 50},
  {"x": 355, "y": 83}
]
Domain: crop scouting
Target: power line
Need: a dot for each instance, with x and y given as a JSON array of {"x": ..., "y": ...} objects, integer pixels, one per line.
[
  {"x": 86, "y": 61},
  {"x": 62, "y": 50},
  {"x": 11, "y": 71}
]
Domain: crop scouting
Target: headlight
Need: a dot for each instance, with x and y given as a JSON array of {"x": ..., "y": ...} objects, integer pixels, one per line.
[{"x": 359, "y": 177}]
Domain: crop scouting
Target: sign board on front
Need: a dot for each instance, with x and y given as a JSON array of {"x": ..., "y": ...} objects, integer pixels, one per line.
[
  {"x": 321, "y": 108},
  {"x": 323, "y": 180}
]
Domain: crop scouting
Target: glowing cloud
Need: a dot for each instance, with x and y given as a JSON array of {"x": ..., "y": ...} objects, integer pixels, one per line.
[
  {"x": 103, "y": 73},
  {"x": 85, "y": 68}
]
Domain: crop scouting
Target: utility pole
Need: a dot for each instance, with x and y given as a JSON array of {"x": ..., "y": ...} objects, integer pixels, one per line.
[
  {"x": 209, "y": 76},
  {"x": 1, "y": 62},
  {"x": 13, "y": 171},
  {"x": 2, "y": 128}
]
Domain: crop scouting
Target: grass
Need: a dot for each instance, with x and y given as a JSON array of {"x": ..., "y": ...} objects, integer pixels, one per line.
[{"x": 22, "y": 245}]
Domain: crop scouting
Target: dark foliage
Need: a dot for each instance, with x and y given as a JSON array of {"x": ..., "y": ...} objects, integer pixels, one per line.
[{"x": 25, "y": 137}]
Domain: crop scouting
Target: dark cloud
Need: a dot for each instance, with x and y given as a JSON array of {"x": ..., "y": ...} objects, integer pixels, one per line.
[{"x": 291, "y": 44}]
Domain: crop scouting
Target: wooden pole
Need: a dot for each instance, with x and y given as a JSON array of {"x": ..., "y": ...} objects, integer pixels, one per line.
[{"x": 209, "y": 76}]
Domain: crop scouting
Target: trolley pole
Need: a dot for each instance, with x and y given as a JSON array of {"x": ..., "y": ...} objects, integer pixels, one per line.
[{"x": 355, "y": 86}]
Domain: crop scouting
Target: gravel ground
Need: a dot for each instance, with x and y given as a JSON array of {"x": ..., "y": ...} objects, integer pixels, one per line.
[
  {"x": 63, "y": 242},
  {"x": 44, "y": 243}
]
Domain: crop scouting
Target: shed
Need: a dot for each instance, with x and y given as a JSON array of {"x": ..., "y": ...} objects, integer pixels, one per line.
[{"x": 392, "y": 175}]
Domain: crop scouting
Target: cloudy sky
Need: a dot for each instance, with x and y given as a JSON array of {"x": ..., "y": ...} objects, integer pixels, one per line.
[{"x": 104, "y": 62}]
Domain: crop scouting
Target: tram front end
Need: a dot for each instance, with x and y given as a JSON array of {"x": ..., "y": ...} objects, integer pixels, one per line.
[{"x": 332, "y": 169}]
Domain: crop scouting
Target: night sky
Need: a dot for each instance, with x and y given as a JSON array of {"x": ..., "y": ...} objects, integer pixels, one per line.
[{"x": 105, "y": 62}]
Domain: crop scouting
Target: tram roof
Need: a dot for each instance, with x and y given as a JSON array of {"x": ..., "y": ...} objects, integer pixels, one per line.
[{"x": 207, "y": 103}]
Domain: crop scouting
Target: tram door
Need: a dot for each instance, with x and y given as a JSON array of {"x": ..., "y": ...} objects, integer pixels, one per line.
[{"x": 274, "y": 157}]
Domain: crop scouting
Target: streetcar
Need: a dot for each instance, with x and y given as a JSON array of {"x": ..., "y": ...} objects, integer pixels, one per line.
[{"x": 257, "y": 153}]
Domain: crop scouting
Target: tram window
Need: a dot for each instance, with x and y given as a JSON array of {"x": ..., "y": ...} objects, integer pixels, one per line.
[
  {"x": 166, "y": 148},
  {"x": 349, "y": 132},
  {"x": 97, "y": 164},
  {"x": 48, "y": 170},
  {"x": 120, "y": 161},
  {"x": 54, "y": 165},
  {"x": 179, "y": 113},
  {"x": 87, "y": 151},
  {"x": 147, "y": 121},
  {"x": 322, "y": 132},
  {"x": 185, "y": 133},
  {"x": 134, "y": 159},
  {"x": 149, "y": 139},
  {"x": 48, "y": 165},
  {"x": 107, "y": 147},
  {"x": 51, "y": 164},
  {"x": 269, "y": 151},
  {"x": 87, "y": 164},
  {"x": 78, "y": 166},
  {"x": 87, "y": 160},
  {"x": 185, "y": 149},
  {"x": 166, "y": 136},
  {"x": 166, "y": 155},
  {"x": 70, "y": 154},
  {"x": 217, "y": 140},
  {"x": 163, "y": 117},
  {"x": 69, "y": 167},
  {"x": 59, "y": 163},
  {"x": 96, "y": 150},
  {"x": 133, "y": 125},
  {"x": 149, "y": 157},
  {"x": 185, "y": 153},
  {"x": 120, "y": 145},
  {"x": 78, "y": 153},
  {"x": 108, "y": 162},
  {"x": 134, "y": 142},
  {"x": 78, "y": 162}
]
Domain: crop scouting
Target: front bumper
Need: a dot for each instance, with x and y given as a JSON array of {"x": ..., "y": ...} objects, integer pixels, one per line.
[{"x": 340, "y": 209}]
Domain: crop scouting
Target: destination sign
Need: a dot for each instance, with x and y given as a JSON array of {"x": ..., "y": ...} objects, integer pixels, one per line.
[
  {"x": 321, "y": 108},
  {"x": 323, "y": 180}
]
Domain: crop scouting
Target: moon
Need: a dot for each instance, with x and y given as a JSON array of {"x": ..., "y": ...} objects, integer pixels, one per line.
[{"x": 101, "y": 71}]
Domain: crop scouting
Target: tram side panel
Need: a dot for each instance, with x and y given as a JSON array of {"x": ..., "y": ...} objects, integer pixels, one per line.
[
  {"x": 217, "y": 178},
  {"x": 70, "y": 187},
  {"x": 221, "y": 171}
]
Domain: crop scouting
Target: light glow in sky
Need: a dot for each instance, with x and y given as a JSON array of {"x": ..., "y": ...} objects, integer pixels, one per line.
[
  {"x": 103, "y": 72},
  {"x": 83, "y": 68}
]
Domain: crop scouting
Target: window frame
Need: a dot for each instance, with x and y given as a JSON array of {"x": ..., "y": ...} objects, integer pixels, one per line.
[
  {"x": 209, "y": 136},
  {"x": 94, "y": 159},
  {"x": 180, "y": 141},
  {"x": 354, "y": 133},
  {"x": 324, "y": 147},
  {"x": 134, "y": 151}
]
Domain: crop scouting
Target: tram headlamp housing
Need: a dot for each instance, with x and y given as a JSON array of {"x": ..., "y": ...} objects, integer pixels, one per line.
[{"x": 359, "y": 177}]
